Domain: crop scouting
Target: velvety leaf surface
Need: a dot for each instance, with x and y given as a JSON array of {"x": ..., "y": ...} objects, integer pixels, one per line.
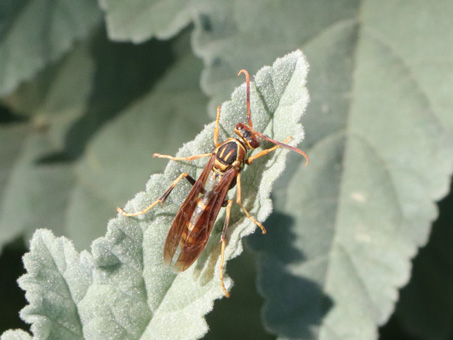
[
  {"x": 16, "y": 334},
  {"x": 57, "y": 280},
  {"x": 35, "y": 33}
]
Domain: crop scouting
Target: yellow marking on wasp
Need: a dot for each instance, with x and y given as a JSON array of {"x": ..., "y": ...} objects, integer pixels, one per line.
[
  {"x": 218, "y": 171},
  {"x": 229, "y": 154},
  {"x": 189, "y": 226},
  {"x": 222, "y": 151},
  {"x": 201, "y": 205}
]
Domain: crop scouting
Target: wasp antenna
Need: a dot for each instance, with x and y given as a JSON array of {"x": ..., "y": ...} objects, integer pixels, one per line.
[
  {"x": 247, "y": 79},
  {"x": 299, "y": 151}
]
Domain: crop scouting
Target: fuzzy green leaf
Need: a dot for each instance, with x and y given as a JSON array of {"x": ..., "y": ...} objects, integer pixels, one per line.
[
  {"x": 16, "y": 334},
  {"x": 27, "y": 182},
  {"x": 35, "y": 33},
  {"x": 26, "y": 175},
  {"x": 140, "y": 20},
  {"x": 124, "y": 291},
  {"x": 57, "y": 280},
  {"x": 380, "y": 142},
  {"x": 9, "y": 150},
  {"x": 47, "y": 98}
]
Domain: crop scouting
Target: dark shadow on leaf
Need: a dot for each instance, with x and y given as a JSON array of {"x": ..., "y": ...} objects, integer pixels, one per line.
[
  {"x": 425, "y": 307},
  {"x": 239, "y": 316},
  {"x": 57, "y": 157},
  {"x": 278, "y": 242},
  {"x": 123, "y": 73},
  {"x": 7, "y": 117},
  {"x": 393, "y": 330},
  {"x": 294, "y": 305},
  {"x": 13, "y": 299},
  {"x": 205, "y": 22}
]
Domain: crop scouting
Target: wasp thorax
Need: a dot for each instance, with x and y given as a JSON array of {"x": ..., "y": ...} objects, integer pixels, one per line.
[{"x": 248, "y": 135}]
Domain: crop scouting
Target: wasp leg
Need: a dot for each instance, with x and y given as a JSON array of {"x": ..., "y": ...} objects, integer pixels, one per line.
[
  {"x": 238, "y": 201},
  {"x": 223, "y": 239},
  {"x": 190, "y": 158},
  {"x": 265, "y": 152},
  {"x": 161, "y": 199}
]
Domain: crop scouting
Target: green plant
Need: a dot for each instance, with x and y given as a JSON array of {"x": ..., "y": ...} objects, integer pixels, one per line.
[{"x": 84, "y": 110}]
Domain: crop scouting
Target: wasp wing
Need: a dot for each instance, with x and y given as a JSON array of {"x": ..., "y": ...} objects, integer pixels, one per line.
[
  {"x": 185, "y": 211},
  {"x": 197, "y": 237}
]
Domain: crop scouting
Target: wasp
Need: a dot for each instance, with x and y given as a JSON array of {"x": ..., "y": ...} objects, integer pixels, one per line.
[{"x": 192, "y": 225}]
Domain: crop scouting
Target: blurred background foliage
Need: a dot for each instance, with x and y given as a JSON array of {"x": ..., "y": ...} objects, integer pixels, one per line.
[{"x": 85, "y": 104}]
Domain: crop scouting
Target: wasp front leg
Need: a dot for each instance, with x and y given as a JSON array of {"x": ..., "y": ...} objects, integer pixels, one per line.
[
  {"x": 162, "y": 198},
  {"x": 265, "y": 152},
  {"x": 190, "y": 158}
]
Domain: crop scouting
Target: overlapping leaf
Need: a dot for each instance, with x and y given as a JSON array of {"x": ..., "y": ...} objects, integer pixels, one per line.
[
  {"x": 143, "y": 19},
  {"x": 27, "y": 175},
  {"x": 35, "y": 33}
]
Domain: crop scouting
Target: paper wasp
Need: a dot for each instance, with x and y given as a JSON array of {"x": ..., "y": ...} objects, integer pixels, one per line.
[{"x": 194, "y": 220}]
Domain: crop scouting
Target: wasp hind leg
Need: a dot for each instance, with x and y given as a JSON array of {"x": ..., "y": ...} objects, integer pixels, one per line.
[
  {"x": 229, "y": 203},
  {"x": 239, "y": 201},
  {"x": 161, "y": 199}
]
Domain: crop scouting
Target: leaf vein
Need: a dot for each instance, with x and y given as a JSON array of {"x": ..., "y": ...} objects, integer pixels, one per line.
[{"x": 410, "y": 72}]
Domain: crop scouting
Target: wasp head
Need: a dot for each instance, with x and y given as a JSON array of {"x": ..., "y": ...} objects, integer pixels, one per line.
[{"x": 248, "y": 135}]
